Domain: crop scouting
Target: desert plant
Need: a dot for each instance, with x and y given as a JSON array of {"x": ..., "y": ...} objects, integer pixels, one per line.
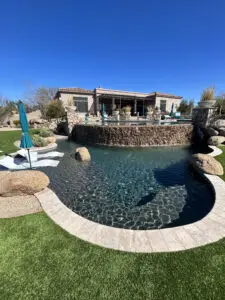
[
  {"x": 38, "y": 141},
  {"x": 150, "y": 108},
  {"x": 127, "y": 108},
  {"x": 45, "y": 132},
  {"x": 16, "y": 123},
  {"x": 55, "y": 110},
  {"x": 208, "y": 94},
  {"x": 220, "y": 104}
]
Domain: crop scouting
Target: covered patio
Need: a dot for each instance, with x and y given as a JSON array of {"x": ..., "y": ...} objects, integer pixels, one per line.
[{"x": 138, "y": 104}]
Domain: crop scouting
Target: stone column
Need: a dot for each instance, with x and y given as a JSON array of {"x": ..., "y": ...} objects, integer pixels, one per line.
[
  {"x": 97, "y": 108},
  {"x": 135, "y": 106},
  {"x": 113, "y": 103}
]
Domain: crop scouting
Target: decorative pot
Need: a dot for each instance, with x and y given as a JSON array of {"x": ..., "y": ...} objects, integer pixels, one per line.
[{"x": 206, "y": 103}]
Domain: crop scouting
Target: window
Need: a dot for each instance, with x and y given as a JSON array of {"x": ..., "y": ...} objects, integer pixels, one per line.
[
  {"x": 81, "y": 104},
  {"x": 163, "y": 105}
]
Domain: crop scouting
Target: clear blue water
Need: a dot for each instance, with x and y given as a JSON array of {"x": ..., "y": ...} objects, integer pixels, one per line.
[{"x": 132, "y": 188}]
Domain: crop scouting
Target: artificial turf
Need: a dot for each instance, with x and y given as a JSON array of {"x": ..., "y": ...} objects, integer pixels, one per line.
[
  {"x": 41, "y": 261},
  {"x": 7, "y": 139},
  {"x": 38, "y": 260},
  {"x": 221, "y": 159}
]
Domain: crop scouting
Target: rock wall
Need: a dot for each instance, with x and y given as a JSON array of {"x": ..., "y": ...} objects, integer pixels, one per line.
[
  {"x": 133, "y": 136},
  {"x": 202, "y": 116}
]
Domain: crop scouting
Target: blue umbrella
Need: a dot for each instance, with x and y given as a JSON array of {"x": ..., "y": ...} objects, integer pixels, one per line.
[
  {"x": 171, "y": 113},
  {"x": 26, "y": 141}
]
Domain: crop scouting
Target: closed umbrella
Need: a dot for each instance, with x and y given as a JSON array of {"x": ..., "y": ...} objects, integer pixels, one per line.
[
  {"x": 26, "y": 141},
  {"x": 171, "y": 113}
]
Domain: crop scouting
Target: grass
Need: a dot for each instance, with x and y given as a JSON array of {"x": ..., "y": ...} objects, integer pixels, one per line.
[
  {"x": 41, "y": 261},
  {"x": 221, "y": 159},
  {"x": 7, "y": 139},
  {"x": 38, "y": 260}
]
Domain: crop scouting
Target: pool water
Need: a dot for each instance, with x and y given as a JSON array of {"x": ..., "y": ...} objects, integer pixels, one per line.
[{"x": 132, "y": 188}]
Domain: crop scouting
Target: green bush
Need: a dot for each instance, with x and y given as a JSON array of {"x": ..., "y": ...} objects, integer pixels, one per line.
[
  {"x": 55, "y": 110},
  {"x": 45, "y": 132},
  {"x": 38, "y": 141},
  {"x": 16, "y": 123}
]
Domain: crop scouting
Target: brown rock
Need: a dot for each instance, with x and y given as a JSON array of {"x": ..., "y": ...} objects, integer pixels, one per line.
[
  {"x": 50, "y": 139},
  {"x": 22, "y": 183},
  {"x": 206, "y": 164},
  {"x": 82, "y": 154}
]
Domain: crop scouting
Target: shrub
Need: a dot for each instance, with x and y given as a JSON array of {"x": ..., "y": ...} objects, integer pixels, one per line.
[
  {"x": 16, "y": 123},
  {"x": 45, "y": 132},
  {"x": 38, "y": 141},
  {"x": 127, "y": 108},
  {"x": 208, "y": 94},
  {"x": 150, "y": 108},
  {"x": 55, "y": 110}
]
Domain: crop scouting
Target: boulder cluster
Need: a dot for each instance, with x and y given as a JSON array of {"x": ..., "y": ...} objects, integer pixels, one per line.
[{"x": 216, "y": 135}]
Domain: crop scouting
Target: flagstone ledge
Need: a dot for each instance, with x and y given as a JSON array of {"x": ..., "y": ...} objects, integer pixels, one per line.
[
  {"x": 47, "y": 148},
  {"x": 205, "y": 231}
]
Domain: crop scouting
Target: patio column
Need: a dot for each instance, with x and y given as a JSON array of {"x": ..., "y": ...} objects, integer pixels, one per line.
[
  {"x": 113, "y": 103},
  {"x": 97, "y": 108},
  {"x": 135, "y": 106}
]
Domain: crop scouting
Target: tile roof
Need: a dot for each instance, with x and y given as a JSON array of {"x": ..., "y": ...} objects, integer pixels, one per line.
[
  {"x": 76, "y": 90},
  {"x": 164, "y": 95}
]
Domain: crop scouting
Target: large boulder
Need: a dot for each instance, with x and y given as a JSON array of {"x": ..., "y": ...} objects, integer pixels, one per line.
[
  {"x": 211, "y": 132},
  {"x": 22, "y": 183},
  {"x": 206, "y": 164},
  {"x": 82, "y": 154},
  {"x": 222, "y": 131},
  {"x": 50, "y": 139},
  {"x": 216, "y": 140}
]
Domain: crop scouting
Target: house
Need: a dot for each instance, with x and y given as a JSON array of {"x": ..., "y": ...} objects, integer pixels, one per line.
[{"x": 90, "y": 101}]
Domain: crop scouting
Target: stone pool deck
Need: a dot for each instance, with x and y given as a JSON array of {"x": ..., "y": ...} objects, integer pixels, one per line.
[
  {"x": 208, "y": 230},
  {"x": 19, "y": 206}
]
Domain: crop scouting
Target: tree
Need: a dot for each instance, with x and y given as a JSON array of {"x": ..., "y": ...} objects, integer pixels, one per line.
[
  {"x": 186, "y": 107},
  {"x": 220, "y": 104},
  {"x": 55, "y": 110},
  {"x": 39, "y": 98},
  {"x": 6, "y": 108}
]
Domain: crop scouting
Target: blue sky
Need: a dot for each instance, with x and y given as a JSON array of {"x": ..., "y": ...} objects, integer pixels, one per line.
[{"x": 170, "y": 46}]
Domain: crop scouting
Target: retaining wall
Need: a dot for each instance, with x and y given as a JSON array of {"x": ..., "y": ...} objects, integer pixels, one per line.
[{"x": 133, "y": 136}]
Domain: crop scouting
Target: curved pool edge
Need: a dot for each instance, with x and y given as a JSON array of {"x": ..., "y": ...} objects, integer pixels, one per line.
[{"x": 205, "y": 231}]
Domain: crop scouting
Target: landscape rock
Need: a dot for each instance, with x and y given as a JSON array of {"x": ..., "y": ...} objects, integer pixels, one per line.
[
  {"x": 82, "y": 154},
  {"x": 222, "y": 131},
  {"x": 216, "y": 140},
  {"x": 18, "y": 183},
  {"x": 50, "y": 139},
  {"x": 206, "y": 164},
  {"x": 211, "y": 132}
]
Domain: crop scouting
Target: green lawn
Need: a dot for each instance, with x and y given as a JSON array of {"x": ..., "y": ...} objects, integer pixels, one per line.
[
  {"x": 41, "y": 261},
  {"x": 7, "y": 139},
  {"x": 221, "y": 159},
  {"x": 38, "y": 260}
]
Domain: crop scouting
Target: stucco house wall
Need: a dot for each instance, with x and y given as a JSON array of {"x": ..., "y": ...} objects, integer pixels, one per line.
[
  {"x": 65, "y": 98},
  {"x": 169, "y": 103}
]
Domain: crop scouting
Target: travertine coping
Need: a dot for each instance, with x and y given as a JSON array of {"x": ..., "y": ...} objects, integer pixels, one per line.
[
  {"x": 49, "y": 147},
  {"x": 208, "y": 230}
]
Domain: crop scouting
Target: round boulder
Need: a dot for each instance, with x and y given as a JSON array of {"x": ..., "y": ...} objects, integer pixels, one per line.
[
  {"x": 206, "y": 164},
  {"x": 211, "y": 132},
  {"x": 22, "y": 183},
  {"x": 50, "y": 139},
  {"x": 82, "y": 154},
  {"x": 222, "y": 131},
  {"x": 216, "y": 140}
]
